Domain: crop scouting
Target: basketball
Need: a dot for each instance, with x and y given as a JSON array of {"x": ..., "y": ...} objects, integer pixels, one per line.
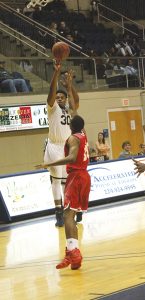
[{"x": 60, "y": 51}]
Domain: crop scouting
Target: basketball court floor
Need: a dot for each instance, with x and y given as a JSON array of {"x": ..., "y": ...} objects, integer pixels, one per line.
[{"x": 112, "y": 241}]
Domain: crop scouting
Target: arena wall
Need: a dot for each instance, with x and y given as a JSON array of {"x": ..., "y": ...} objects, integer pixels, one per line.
[{"x": 20, "y": 151}]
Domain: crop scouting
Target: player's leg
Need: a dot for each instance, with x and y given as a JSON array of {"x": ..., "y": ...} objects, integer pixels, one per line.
[
  {"x": 79, "y": 213},
  {"x": 72, "y": 254},
  {"x": 84, "y": 195},
  {"x": 77, "y": 190},
  {"x": 57, "y": 194},
  {"x": 63, "y": 182},
  {"x": 71, "y": 205},
  {"x": 52, "y": 153}
]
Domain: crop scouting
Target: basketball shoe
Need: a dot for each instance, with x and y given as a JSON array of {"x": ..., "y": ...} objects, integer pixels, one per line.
[{"x": 73, "y": 258}]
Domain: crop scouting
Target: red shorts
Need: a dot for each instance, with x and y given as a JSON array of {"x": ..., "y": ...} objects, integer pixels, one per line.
[{"x": 77, "y": 189}]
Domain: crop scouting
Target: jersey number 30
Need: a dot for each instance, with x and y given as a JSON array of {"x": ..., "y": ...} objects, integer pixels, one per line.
[{"x": 65, "y": 120}]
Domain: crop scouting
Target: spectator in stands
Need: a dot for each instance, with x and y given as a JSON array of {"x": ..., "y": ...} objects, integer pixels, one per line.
[
  {"x": 130, "y": 68},
  {"x": 26, "y": 65},
  {"x": 100, "y": 68},
  {"x": 109, "y": 53},
  {"x": 102, "y": 146},
  {"x": 135, "y": 47},
  {"x": 132, "y": 73},
  {"x": 28, "y": 12},
  {"x": 44, "y": 37},
  {"x": 10, "y": 84},
  {"x": 93, "y": 10},
  {"x": 115, "y": 75},
  {"x": 69, "y": 37},
  {"x": 93, "y": 155},
  {"x": 53, "y": 27},
  {"x": 63, "y": 29},
  {"x": 109, "y": 69},
  {"x": 123, "y": 48},
  {"x": 18, "y": 75},
  {"x": 78, "y": 38},
  {"x": 38, "y": 14},
  {"x": 126, "y": 146},
  {"x": 110, "y": 64},
  {"x": 119, "y": 67},
  {"x": 142, "y": 149}
]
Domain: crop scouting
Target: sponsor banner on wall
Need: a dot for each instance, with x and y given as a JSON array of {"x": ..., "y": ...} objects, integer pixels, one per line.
[
  {"x": 23, "y": 117},
  {"x": 115, "y": 178},
  {"x": 26, "y": 193}
]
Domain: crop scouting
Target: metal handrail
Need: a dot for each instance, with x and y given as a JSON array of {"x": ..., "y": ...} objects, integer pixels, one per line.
[
  {"x": 118, "y": 25},
  {"x": 59, "y": 37},
  {"x": 122, "y": 17},
  {"x": 56, "y": 35},
  {"x": 96, "y": 83},
  {"x": 20, "y": 37}
]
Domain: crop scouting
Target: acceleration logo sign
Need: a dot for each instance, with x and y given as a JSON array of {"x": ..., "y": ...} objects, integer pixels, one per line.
[{"x": 113, "y": 179}]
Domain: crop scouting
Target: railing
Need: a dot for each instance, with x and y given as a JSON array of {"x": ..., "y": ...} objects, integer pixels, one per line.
[
  {"x": 87, "y": 70},
  {"x": 88, "y": 75},
  {"x": 101, "y": 9},
  {"x": 23, "y": 39},
  {"x": 31, "y": 28}
]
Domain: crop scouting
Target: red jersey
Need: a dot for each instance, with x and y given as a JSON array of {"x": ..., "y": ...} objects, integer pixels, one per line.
[{"x": 82, "y": 160}]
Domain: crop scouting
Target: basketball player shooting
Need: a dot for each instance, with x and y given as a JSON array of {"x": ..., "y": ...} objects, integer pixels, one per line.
[{"x": 59, "y": 115}]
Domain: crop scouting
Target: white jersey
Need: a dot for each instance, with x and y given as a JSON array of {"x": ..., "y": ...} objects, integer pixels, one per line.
[{"x": 59, "y": 121}]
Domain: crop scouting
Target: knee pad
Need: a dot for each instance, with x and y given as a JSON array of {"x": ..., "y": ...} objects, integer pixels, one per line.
[{"x": 56, "y": 188}]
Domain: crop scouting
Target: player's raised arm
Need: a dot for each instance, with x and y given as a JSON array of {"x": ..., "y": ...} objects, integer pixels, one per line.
[
  {"x": 53, "y": 85},
  {"x": 76, "y": 96},
  {"x": 64, "y": 81},
  {"x": 71, "y": 100}
]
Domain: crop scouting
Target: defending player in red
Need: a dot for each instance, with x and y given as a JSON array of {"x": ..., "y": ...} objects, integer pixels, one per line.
[{"x": 77, "y": 188}]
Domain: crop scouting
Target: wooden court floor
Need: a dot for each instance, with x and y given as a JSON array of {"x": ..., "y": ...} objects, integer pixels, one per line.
[{"x": 112, "y": 241}]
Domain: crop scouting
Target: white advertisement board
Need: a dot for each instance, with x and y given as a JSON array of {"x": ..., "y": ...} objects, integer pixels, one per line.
[
  {"x": 27, "y": 193},
  {"x": 114, "y": 178},
  {"x": 31, "y": 192},
  {"x": 23, "y": 117}
]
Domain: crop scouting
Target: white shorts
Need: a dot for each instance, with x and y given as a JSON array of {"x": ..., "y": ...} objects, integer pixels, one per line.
[{"x": 52, "y": 153}]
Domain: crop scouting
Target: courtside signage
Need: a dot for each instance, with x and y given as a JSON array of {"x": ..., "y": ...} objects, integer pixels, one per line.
[
  {"x": 27, "y": 193},
  {"x": 24, "y": 194},
  {"x": 114, "y": 178},
  {"x": 23, "y": 117}
]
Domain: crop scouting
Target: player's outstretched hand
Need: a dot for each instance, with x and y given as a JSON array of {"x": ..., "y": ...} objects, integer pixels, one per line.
[
  {"x": 57, "y": 66},
  {"x": 41, "y": 166},
  {"x": 66, "y": 79},
  {"x": 139, "y": 167}
]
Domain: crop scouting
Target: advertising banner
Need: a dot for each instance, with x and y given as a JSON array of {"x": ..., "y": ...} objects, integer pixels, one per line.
[
  {"x": 23, "y": 117},
  {"x": 31, "y": 192},
  {"x": 27, "y": 193},
  {"x": 115, "y": 178}
]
